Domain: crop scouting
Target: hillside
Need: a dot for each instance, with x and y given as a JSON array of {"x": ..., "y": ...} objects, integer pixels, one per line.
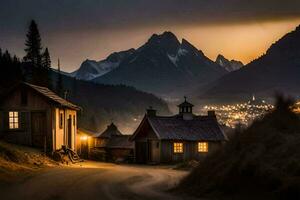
[
  {"x": 277, "y": 70},
  {"x": 16, "y": 161},
  {"x": 164, "y": 66},
  {"x": 101, "y": 104},
  {"x": 261, "y": 162},
  {"x": 105, "y": 103}
]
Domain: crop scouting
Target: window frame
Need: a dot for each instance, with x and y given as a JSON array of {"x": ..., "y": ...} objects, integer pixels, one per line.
[
  {"x": 203, "y": 147},
  {"x": 61, "y": 119},
  {"x": 178, "y": 147},
  {"x": 15, "y": 117}
]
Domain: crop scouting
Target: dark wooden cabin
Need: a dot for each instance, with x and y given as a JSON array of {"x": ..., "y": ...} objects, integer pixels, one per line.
[
  {"x": 86, "y": 140},
  {"x": 35, "y": 116},
  {"x": 171, "y": 139},
  {"x": 114, "y": 144}
]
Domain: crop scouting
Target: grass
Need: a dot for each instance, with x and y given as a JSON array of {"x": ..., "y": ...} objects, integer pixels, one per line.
[
  {"x": 261, "y": 162},
  {"x": 17, "y": 161}
]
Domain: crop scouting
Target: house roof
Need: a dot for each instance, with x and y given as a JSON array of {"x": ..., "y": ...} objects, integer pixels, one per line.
[
  {"x": 88, "y": 132},
  {"x": 120, "y": 142},
  {"x": 111, "y": 130},
  {"x": 52, "y": 96},
  {"x": 176, "y": 128}
]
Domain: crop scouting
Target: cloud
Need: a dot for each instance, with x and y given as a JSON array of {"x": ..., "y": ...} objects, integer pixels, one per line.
[
  {"x": 78, "y": 29},
  {"x": 119, "y": 14}
]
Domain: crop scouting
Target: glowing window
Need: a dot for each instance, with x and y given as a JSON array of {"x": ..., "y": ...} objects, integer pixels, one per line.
[
  {"x": 178, "y": 147},
  {"x": 202, "y": 147},
  {"x": 13, "y": 120}
]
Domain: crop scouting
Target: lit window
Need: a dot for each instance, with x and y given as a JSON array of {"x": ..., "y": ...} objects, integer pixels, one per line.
[
  {"x": 202, "y": 147},
  {"x": 178, "y": 147},
  {"x": 13, "y": 120}
]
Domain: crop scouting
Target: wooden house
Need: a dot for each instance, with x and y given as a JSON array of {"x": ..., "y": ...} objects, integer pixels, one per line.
[
  {"x": 86, "y": 141},
  {"x": 114, "y": 145},
  {"x": 183, "y": 137},
  {"x": 36, "y": 116}
]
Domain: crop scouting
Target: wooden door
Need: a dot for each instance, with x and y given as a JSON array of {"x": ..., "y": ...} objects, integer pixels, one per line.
[
  {"x": 153, "y": 151},
  {"x": 69, "y": 132},
  {"x": 141, "y": 152},
  {"x": 38, "y": 129}
]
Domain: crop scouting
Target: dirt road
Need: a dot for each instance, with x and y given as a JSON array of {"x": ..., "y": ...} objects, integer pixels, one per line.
[{"x": 94, "y": 180}]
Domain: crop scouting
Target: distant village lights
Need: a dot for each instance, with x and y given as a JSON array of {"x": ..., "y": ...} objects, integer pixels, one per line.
[{"x": 241, "y": 113}]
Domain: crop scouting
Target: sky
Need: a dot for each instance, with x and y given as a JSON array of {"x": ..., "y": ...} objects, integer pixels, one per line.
[{"x": 75, "y": 30}]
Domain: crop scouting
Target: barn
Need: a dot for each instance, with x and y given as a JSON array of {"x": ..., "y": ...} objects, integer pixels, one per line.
[
  {"x": 85, "y": 142},
  {"x": 35, "y": 116},
  {"x": 178, "y": 138},
  {"x": 114, "y": 145}
]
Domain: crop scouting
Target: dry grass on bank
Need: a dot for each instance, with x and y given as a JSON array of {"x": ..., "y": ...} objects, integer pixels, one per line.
[
  {"x": 19, "y": 160},
  {"x": 261, "y": 162}
]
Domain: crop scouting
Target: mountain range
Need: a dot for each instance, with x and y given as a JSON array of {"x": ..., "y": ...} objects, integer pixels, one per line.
[
  {"x": 229, "y": 65},
  {"x": 91, "y": 69},
  {"x": 277, "y": 70},
  {"x": 163, "y": 66},
  {"x": 166, "y": 67}
]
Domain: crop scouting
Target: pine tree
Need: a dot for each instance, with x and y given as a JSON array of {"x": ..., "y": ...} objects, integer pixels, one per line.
[
  {"x": 46, "y": 61},
  {"x": 10, "y": 71},
  {"x": 33, "y": 45}
]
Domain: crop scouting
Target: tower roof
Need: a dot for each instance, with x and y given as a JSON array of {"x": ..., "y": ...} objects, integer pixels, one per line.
[
  {"x": 111, "y": 130},
  {"x": 185, "y": 103}
]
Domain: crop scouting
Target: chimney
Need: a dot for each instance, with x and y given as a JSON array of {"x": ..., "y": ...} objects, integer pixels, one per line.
[
  {"x": 151, "y": 112},
  {"x": 211, "y": 113}
]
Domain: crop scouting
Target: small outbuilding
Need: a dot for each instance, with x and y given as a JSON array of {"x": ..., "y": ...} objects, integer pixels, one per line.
[
  {"x": 86, "y": 141},
  {"x": 36, "y": 116},
  {"x": 178, "y": 138},
  {"x": 113, "y": 145}
]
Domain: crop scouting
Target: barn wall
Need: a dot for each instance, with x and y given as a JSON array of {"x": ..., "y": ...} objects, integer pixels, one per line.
[
  {"x": 58, "y": 134},
  {"x": 35, "y": 103},
  {"x": 190, "y": 151},
  {"x": 71, "y": 114},
  {"x": 55, "y": 137},
  {"x": 142, "y": 142},
  {"x": 118, "y": 153},
  {"x": 84, "y": 147}
]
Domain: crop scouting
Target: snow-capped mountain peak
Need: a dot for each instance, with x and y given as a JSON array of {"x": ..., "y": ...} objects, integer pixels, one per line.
[
  {"x": 231, "y": 65},
  {"x": 91, "y": 69}
]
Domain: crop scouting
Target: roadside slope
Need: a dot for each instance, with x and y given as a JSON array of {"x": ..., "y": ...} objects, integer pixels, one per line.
[
  {"x": 261, "y": 162},
  {"x": 17, "y": 161}
]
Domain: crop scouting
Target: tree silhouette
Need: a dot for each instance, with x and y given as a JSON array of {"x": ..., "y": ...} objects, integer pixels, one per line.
[
  {"x": 33, "y": 45},
  {"x": 10, "y": 72},
  {"x": 46, "y": 61}
]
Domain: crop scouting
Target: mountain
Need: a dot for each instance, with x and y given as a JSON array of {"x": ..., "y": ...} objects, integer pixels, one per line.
[
  {"x": 277, "y": 70},
  {"x": 91, "y": 69},
  {"x": 164, "y": 66},
  {"x": 229, "y": 65}
]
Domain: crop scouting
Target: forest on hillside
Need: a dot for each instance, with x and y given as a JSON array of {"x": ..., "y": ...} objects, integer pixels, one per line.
[{"x": 101, "y": 104}]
